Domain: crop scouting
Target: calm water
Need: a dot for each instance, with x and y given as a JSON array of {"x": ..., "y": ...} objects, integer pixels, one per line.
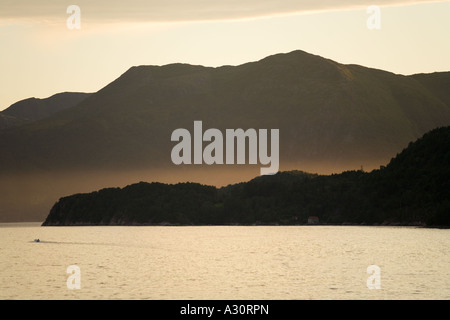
[{"x": 307, "y": 262}]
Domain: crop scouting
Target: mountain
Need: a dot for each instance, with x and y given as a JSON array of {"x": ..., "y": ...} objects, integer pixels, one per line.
[
  {"x": 412, "y": 190},
  {"x": 331, "y": 117},
  {"x": 36, "y": 109},
  {"x": 339, "y": 115}
]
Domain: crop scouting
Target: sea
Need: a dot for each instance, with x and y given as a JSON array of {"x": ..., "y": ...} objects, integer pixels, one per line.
[{"x": 223, "y": 262}]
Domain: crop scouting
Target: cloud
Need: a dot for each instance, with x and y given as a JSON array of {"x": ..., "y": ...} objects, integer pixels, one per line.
[{"x": 177, "y": 10}]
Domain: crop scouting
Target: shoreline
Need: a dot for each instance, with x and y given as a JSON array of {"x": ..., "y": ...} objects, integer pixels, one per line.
[
  {"x": 244, "y": 225},
  {"x": 166, "y": 224}
]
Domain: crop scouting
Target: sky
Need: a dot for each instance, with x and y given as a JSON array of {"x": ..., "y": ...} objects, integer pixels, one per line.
[{"x": 40, "y": 54}]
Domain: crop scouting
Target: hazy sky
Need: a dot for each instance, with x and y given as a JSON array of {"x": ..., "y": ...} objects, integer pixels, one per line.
[{"x": 40, "y": 56}]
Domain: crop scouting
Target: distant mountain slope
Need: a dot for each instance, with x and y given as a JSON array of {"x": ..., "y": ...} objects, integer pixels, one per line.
[
  {"x": 338, "y": 115},
  {"x": 36, "y": 109},
  {"x": 412, "y": 190},
  {"x": 332, "y": 117}
]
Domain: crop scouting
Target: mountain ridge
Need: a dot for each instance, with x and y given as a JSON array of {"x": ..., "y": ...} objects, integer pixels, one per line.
[
  {"x": 171, "y": 83},
  {"x": 37, "y": 108}
]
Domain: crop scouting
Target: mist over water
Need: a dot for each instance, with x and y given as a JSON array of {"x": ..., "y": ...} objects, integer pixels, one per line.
[
  {"x": 28, "y": 196},
  {"x": 224, "y": 262}
]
